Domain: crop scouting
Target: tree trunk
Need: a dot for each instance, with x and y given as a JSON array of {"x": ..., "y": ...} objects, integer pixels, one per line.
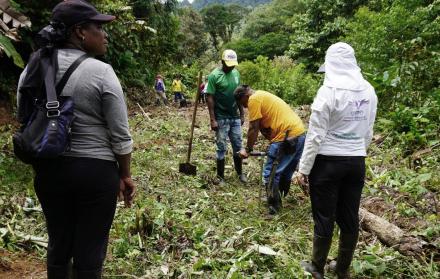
[{"x": 391, "y": 235}]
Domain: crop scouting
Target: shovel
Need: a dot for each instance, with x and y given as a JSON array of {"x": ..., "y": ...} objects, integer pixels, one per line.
[{"x": 187, "y": 167}]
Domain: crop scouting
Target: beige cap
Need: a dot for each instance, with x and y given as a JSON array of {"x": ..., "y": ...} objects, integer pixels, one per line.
[{"x": 230, "y": 57}]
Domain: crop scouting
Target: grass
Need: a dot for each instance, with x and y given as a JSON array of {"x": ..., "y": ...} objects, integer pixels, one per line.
[{"x": 187, "y": 227}]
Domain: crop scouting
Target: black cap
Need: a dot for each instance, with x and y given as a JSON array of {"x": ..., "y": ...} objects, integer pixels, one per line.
[{"x": 71, "y": 12}]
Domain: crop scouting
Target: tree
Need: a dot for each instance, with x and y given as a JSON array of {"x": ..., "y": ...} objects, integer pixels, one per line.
[
  {"x": 221, "y": 21},
  {"x": 143, "y": 39},
  {"x": 323, "y": 23},
  {"x": 399, "y": 50},
  {"x": 200, "y": 4},
  {"x": 268, "y": 45},
  {"x": 273, "y": 17},
  {"x": 192, "y": 40}
]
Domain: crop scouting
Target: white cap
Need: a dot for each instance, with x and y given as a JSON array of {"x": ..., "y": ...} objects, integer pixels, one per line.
[{"x": 230, "y": 58}]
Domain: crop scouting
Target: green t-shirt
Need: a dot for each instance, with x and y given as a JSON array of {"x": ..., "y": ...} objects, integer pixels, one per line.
[{"x": 222, "y": 87}]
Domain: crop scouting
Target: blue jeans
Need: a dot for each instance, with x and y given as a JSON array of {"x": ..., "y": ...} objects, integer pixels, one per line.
[
  {"x": 228, "y": 128},
  {"x": 178, "y": 96},
  {"x": 287, "y": 164}
]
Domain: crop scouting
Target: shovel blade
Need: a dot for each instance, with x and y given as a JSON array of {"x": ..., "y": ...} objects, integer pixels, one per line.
[{"x": 188, "y": 168}]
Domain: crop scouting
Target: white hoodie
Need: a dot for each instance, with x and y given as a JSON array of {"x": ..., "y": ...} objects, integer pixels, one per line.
[{"x": 343, "y": 111}]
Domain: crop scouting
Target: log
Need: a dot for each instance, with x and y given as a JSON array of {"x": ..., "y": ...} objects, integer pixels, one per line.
[{"x": 391, "y": 235}]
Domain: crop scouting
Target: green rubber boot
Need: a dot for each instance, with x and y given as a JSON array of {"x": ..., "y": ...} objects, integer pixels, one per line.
[
  {"x": 238, "y": 165},
  {"x": 220, "y": 172},
  {"x": 347, "y": 245},
  {"x": 321, "y": 247}
]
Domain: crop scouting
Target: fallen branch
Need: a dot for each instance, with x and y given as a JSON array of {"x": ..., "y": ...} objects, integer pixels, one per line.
[
  {"x": 143, "y": 112},
  {"x": 40, "y": 241},
  {"x": 391, "y": 235}
]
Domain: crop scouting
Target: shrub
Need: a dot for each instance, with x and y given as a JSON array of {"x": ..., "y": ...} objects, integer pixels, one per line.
[{"x": 282, "y": 77}]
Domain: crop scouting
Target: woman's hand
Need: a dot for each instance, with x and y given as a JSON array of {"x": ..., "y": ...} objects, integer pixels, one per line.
[
  {"x": 127, "y": 190},
  {"x": 303, "y": 181}
]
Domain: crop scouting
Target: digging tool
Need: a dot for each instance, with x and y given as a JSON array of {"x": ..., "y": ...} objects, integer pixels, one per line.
[
  {"x": 271, "y": 188},
  {"x": 260, "y": 155},
  {"x": 187, "y": 167}
]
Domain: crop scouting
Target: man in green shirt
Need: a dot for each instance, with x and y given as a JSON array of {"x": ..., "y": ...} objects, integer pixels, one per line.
[{"x": 226, "y": 115}]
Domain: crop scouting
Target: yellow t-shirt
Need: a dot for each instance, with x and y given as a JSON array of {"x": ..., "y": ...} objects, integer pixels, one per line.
[
  {"x": 177, "y": 85},
  {"x": 275, "y": 115}
]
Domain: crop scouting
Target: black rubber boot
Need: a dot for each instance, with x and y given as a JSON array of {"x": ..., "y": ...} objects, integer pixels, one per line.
[
  {"x": 347, "y": 245},
  {"x": 321, "y": 247},
  {"x": 90, "y": 274},
  {"x": 284, "y": 186},
  {"x": 274, "y": 200},
  {"x": 221, "y": 171},
  {"x": 238, "y": 164},
  {"x": 57, "y": 271}
]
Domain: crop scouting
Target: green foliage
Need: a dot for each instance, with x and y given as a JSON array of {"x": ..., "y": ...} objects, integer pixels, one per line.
[
  {"x": 274, "y": 17},
  {"x": 269, "y": 45},
  {"x": 192, "y": 40},
  {"x": 187, "y": 227},
  {"x": 7, "y": 46},
  {"x": 399, "y": 51},
  {"x": 142, "y": 40},
  {"x": 399, "y": 47},
  {"x": 200, "y": 4},
  {"x": 280, "y": 76},
  {"x": 413, "y": 128},
  {"x": 221, "y": 21},
  {"x": 323, "y": 23},
  {"x": 266, "y": 30}
]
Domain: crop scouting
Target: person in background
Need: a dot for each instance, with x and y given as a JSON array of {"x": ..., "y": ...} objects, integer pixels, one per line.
[
  {"x": 226, "y": 116},
  {"x": 177, "y": 88},
  {"x": 333, "y": 160},
  {"x": 78, "y": 191},
  {"x": 285, "y": 131},
  {"x": 202, "y": 90},
  {"x": 159, "y": 87}
]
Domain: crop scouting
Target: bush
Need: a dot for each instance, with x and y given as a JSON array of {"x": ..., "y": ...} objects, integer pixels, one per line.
[
  {"x": 282, "y": 77},
  {"x": 270, "y": 45}
]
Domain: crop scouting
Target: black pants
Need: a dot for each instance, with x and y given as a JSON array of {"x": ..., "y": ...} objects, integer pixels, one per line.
[
  {"x": 335, "y": 191},
  {"x": 78, "y": 197}
]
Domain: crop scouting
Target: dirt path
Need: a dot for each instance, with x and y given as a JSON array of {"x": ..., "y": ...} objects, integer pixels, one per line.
[{"x": 21, "y": 266}]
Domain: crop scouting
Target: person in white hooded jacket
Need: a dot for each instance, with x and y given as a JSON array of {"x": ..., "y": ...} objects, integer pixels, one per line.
[{"x": 333, "y": 161}]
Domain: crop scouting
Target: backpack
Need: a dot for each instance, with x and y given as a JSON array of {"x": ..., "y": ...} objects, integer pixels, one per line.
[{"x": 45, "y": 132}]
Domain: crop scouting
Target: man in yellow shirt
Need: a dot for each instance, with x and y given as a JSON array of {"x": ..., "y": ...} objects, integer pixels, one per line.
[
  {"x": 283, "y": 128},
  {"x": 177, "y": 88}
]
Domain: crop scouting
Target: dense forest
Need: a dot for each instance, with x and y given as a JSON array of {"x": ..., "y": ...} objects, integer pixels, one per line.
[
  {"x": 183, "y": 227},
  {"x": 200, "y": 4}
]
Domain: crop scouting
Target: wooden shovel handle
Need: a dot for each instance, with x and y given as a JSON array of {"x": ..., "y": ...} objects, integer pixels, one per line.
[{"x": 199, "y": 82}]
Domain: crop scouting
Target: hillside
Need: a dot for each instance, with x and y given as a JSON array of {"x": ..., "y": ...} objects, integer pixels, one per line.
[{"x": 187, "y": 227}]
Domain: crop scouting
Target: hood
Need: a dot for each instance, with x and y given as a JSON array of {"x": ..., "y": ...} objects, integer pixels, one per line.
[{"x": 341, "y": 69}]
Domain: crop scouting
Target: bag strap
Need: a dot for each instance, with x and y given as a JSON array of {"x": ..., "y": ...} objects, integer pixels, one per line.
[
  {"x": 48, "y": 65},
  {"x": 70, "y": 70}
]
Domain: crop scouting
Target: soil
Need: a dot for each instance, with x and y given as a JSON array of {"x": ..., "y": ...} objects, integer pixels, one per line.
[
  {"x": 21, "y": 266},
  {"x": 6, "y": 116}
]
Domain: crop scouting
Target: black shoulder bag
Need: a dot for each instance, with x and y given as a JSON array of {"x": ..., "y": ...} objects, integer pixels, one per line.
[{"x": 46, "y": 134}]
